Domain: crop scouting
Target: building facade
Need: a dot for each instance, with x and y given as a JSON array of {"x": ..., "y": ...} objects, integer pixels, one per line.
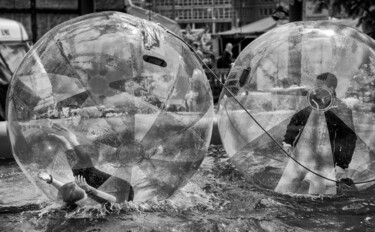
[
  {"x": 218, "y": 15},
  {"x": 215, "y": 14},
  {"x": 39, "y": 16},
  {"x": 248, "y": 11}
]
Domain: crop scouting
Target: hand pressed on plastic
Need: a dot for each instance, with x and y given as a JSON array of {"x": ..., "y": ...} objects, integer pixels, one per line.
[
  {"x": 81, "y": 182},
  {"x": 63, "y": 140},
  {"x": 288, "y": 149},
  {"x": 66, "y": 133}
]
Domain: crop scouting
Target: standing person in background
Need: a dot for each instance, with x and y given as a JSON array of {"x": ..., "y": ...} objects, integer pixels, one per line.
[
  {"x": 226, "y": 59},
  {"x": 209, "y": 57}
]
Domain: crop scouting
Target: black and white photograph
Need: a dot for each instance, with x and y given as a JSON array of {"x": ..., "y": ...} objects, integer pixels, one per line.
[{"x": 187, "y": 115}]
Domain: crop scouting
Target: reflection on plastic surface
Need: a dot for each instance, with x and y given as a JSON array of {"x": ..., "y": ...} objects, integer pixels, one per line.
[
  {"x": 310, "y": 91},
  {"x": 114, "y": 99}
]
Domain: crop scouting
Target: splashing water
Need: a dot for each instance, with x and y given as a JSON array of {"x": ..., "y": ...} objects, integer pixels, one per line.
[{"x": 218, "y": 198}]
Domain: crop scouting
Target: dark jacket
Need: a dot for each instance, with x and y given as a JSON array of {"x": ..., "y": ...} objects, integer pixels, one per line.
[
  {"x": 341, "y": 134},
  {"x": 225, "y": 60}
]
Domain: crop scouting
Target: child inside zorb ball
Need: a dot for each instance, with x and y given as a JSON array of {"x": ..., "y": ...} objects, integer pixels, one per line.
[
  {"x": 297, "y": 114},
  {"x": 327, "y": 139},
  {"x": 87, "y": 177},
  {"x": 109, "y": 107}
]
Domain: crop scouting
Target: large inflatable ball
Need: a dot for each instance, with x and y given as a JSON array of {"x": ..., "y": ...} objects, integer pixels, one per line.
[
  {"x": 297, "y": 115},
  {"x": 109, "y": 107}
]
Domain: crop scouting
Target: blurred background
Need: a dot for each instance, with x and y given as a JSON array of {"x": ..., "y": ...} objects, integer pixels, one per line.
[{"x": 207, "y": 25}]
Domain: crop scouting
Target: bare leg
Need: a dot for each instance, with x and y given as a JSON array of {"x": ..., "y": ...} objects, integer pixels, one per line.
[
  {"x": 317, "y": 185},
  {"x": 291, "y": 179}
]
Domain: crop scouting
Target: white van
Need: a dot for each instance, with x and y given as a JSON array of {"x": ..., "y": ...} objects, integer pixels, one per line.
[{"x": 14, "y": 43}]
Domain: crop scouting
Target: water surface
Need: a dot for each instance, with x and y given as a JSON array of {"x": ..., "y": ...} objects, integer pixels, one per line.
[{"x": 217, "y": 198}]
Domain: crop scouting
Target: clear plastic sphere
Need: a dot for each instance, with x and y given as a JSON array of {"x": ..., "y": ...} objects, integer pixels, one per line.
[
  {"x": 307, "y": 121},
  {"x": 114, "y": 99}
]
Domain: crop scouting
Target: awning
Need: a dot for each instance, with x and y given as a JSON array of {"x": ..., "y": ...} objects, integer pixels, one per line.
[
  {"x": 348, "y": 22},
  {"x": 259, "y": 27},
  {"x": 253, "y": 29}
]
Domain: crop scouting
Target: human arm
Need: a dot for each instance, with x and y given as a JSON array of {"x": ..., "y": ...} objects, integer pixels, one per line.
[
  {"x": 65, "y": 134},
  {"x": 342, "y": 135},
  {"x": 295, "y": 127},
  {"x": 79, "y": 156},
  {"x": 94, "y": 193},
  {"x": 226, "y": 59},
  {"x": 50, "y": 180},
  {"x": 287, "y": 148}
]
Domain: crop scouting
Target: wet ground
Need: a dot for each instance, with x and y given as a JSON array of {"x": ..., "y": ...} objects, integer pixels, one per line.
[{"x": 217, "y": 198}]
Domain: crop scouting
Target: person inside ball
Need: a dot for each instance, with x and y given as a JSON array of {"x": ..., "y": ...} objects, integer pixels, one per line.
[
  {"x": 320, "y": 137},
  {"x": 89, "y": 181}
]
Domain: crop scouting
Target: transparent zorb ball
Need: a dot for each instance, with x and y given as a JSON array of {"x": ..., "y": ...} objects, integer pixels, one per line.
[
  {"x": 307, "y": 121},
  {"x": 112, "y": 98}
]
